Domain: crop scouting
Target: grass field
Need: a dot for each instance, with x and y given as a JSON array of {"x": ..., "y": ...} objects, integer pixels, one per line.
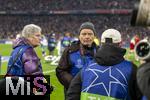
[{"x": 48, "y": 69}]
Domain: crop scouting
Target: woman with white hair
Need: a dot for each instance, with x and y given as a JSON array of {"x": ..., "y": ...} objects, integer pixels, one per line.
[{"x": 24, "y": 60}]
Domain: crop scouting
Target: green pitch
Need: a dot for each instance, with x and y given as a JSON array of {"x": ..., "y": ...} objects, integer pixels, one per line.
[{"x": 48, "y": 69}]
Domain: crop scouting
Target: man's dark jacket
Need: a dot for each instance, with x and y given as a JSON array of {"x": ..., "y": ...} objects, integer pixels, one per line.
[{"x": 63, "y": 69}]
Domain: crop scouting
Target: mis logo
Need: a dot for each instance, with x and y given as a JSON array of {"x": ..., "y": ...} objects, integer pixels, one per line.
[{"x": 28, "y": 85}]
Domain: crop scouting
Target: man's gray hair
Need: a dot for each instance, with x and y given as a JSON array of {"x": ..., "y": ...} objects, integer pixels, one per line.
[{"x": 30, "y": 29}]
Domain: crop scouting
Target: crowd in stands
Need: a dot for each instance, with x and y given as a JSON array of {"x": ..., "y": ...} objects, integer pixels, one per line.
[
  {"x": 62, "y": 23},
  {"x": 47, "y": 5},
  {"x": 11, "y": 25}
]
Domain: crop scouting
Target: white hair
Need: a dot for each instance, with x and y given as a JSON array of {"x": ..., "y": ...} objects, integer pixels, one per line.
[{"x": 30, "y": 29}]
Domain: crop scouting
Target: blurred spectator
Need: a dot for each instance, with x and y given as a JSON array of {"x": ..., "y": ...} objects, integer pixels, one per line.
[
  {"x": 52, "y": 43},
  {"x": 49, "y": 24},
  {"x": 133, "y": 42},
  {"x": 65, "y": 42},
  {"x": 44, "y": 45},
  {"x": 66, "y": 22},
  {"x": 47, "y": 5}
]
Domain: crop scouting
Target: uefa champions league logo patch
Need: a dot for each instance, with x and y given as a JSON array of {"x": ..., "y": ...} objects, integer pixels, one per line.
[{"x": 79, "y": 63}]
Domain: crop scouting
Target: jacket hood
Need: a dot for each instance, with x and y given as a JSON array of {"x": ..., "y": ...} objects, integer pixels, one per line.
[
  {"x": 109, "y": 55},
  {"x": 19, "y": 42}
]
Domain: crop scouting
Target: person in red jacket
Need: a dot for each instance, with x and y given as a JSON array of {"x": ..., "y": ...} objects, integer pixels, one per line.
[{"x": 133, "y": 42}]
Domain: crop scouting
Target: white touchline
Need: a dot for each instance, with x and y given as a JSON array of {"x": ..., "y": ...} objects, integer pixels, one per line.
[{"x": 45, "y": 72}]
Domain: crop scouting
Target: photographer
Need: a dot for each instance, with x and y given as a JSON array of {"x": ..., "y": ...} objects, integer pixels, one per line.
[
  {"x": 141, "y": 17},
  {"x": 142, "y": 51}
]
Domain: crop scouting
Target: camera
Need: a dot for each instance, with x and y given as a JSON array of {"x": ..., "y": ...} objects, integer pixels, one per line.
[
  {"x": 142, "y": 50},
  {"x": 141, "y": 17},
  {"x": 141, "y": 14}
]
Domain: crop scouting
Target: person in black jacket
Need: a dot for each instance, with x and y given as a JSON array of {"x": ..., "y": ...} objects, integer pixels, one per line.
[
  {"x": 142, "y": 51},
  {"x": 143, "y": 77},
  {"x": 109, "y": 76},
  {"x": 76, "y": 56}
]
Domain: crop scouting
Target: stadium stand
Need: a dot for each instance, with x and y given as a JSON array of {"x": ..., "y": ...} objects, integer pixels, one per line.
[
  {"x": 44, "y": 5},
  {"x": 59, "y": 16}
]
